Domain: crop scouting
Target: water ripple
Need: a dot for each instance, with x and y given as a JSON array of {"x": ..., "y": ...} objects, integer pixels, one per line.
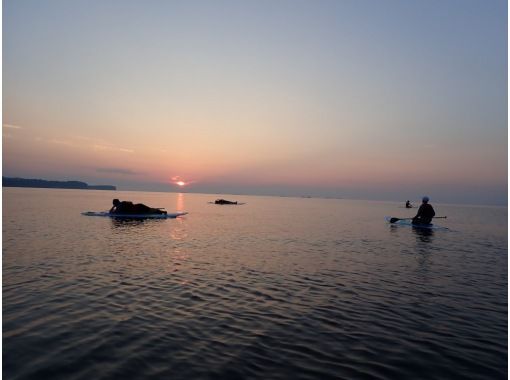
[{"x": 231, "y": 293}]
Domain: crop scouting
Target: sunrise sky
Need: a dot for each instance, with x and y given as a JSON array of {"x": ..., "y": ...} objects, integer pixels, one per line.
[{"x": 359, "y": 99}]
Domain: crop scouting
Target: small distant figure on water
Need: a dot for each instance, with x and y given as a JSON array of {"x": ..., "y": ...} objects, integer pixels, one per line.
[
  {"x": 126, "y": 207},
  {"x": 224, "y": 202},
  {"x": 425, "y": 212},
  {"x": 408, "y": 204}
]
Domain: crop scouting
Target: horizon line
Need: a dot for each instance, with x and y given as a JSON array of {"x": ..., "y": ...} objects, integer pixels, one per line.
[{"x": 272, "y": 195}]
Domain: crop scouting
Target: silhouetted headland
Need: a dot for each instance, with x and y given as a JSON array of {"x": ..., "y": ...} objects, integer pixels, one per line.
[{"x": 41, "y": 183}]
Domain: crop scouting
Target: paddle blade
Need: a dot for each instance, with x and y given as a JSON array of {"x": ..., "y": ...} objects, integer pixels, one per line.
[{"x": 393, "y": 220}]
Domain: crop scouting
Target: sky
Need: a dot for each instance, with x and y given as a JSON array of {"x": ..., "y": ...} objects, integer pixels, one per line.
[{"x": 383, "y": 100}]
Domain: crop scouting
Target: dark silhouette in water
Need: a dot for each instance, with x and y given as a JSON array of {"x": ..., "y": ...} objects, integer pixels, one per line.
[
  {"x": 224, "y": 202},
  {"x": 425, "y": 213},
  {"x": 126, "y": 207},
  {"x": 408, "y": 204}
]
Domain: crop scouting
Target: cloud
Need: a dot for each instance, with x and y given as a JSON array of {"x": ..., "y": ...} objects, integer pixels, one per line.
[
  {"x": 11, "y": 126},
  {"x": 55, "y": 141},
  {"x": 100, "y": 144},
  {"x": 61, "y": 142},
  {"x": 79, "y": 137},
  {"x": 112, "y": 148},
  {"x": 116, "y": 170}
]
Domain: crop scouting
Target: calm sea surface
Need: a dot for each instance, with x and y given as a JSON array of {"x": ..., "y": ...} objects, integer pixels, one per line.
[{"x": 278, "y": 288}]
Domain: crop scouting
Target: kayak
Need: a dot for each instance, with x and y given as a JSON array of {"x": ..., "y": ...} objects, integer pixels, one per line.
[
  {"x": 410, "y": 224},
  {"x": 134, "y": 216}
]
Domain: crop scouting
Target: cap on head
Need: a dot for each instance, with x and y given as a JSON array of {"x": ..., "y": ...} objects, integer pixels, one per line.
[
  {"x": 116, "y": 202},
  {"x": 425, "y": 199}
]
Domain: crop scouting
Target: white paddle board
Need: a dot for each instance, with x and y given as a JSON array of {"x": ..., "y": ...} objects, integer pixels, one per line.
[{"x": 170, "y": 215}]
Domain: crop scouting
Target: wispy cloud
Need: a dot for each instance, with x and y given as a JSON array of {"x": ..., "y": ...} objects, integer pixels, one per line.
[
  {"x": 12, "y": 126},
  {"x": 79, "y": 137},
  {"x": 116, "y": 171},
  {"x": 61, "y": 142},
  {"x": 55, "y": 141},
  {"x": 90, "y": 140},
  {"x": 100, "y": 144},
  {"x": 112, "y": 148},
  {"x": 81, "y": 141}
]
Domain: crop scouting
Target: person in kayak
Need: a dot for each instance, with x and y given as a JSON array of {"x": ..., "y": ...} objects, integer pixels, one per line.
[
  {"x": 127, "y": 207},
  {"x": 425, "y": 212},
  {"x": 408, "y": 204}
]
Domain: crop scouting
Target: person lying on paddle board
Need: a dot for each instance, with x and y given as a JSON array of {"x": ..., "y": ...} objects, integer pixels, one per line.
[
  {"x": 425, "y": 212},
  {"x": 224, "y": 202},
  {"x": 126, "y": 207}
]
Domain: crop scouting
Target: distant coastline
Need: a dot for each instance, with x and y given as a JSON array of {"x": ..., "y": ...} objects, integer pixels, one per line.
[{"x": 41, "y": 183}]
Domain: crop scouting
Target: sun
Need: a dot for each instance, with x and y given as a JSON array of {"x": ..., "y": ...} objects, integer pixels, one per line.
[{"x": 179, "y": 181}]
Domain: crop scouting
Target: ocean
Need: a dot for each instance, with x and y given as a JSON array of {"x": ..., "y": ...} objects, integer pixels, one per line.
[{"x": 277, "y": 288}]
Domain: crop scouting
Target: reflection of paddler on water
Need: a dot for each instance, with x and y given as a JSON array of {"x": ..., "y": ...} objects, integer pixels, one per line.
[
  {"x": 224, "y": 202},
  {"x": 408, "y": 204},
  {"x": 126, "y": 207}
]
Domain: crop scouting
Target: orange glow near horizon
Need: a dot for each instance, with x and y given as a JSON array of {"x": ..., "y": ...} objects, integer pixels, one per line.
[{"x": 180, "y": 183}]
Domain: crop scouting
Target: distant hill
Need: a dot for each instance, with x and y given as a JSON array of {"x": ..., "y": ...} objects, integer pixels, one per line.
[{"x": 41, "y": 183}]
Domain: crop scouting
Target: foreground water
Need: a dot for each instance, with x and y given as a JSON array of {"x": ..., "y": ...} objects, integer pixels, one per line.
[{"x": 278, "y": 288}]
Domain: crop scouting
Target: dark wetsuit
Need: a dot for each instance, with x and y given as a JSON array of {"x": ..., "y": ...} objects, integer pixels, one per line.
[
  {"x": 123, "y": 207},
  {"x": 140, "y": 208},
  {"x": 425, "y": 214},
  {"x": 224, "y": 202},
  {"x": 126, "y": 207}
]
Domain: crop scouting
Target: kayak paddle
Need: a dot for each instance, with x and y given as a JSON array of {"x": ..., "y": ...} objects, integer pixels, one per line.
[{"x": 393, "y": 220}]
